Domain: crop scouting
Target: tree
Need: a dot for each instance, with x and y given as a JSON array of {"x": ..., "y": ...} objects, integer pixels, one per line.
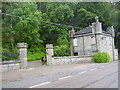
[
  {"x": 38, "y": 34},
  {"x": 22, "y": 30},
  {"x": 57, "y": 13},
  {"x": 116, "y": 21}
]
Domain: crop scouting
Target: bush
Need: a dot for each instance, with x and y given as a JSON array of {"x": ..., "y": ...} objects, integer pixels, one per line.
[
  {"x": 61, "y": 50},
  {"x": 8, "y": 54},
  {"x": 12, "y": 55},
  {"x": 35, "y": 55},
  {"x": 101, "y": 57}
]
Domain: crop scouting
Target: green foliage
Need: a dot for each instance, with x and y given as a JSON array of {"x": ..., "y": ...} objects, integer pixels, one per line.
[
  {"x": 57, "y": 13},
  {"x": 35, "y": 55},
  {"x": 61, "y": 50},
  {"x": 21, "y": 30},
  {"x": 101, "y": 57},
  {"x": 88, "y": 17},
  {"x": 38, "y": 34},
  {"x": 9, "y": 55}
]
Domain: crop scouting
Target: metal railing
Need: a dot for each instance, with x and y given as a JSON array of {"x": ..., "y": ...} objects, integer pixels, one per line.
[
  {"x": 76, "y": 53},
  {"x": 9, "y": 55},
  {"x": 62, "y": 53}
]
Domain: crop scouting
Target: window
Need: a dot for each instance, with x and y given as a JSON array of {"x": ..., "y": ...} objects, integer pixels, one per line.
[
  {"x": 75, "y": 42},
  {"x": 75, "y": 53},
  {"x": 92, "y": 39}
]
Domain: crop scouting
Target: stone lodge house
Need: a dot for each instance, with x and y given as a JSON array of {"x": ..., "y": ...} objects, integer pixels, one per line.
[{"x": 93, "y": 39}]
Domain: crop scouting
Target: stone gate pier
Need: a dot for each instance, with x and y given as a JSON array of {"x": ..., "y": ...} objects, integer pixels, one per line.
[
  {"x": 22, "y": 54},
  {"x": 49, "y": 53}
]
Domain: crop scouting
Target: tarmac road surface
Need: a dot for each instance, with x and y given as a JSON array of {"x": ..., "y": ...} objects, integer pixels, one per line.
[{"x": 103, "y": 75}]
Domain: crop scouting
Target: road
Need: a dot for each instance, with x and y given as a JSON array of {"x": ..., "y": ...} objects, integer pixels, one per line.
[{"x": 97, "y": 76}]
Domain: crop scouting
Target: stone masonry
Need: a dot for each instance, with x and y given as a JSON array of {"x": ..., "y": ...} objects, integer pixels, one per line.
[
  {"x": 16, "y": 64},
  {"x": 49, "y": 53},
  {"x": 52, "y": 60},
  {"x": 10, "y": 65},
  {"x": 93, "y": 39},
  {"x": 22, "y": 54}
]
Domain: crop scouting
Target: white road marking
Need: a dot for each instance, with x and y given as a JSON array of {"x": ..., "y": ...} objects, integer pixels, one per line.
[
  {"x": 64, "y": 77},
  {"x": 82, "y": 72},
  {"x": 106, "y": 63},
  {"x": 39, "y": 84},
  {"x": 103, "y": 66},
  {"x": 93, "y": 69}
]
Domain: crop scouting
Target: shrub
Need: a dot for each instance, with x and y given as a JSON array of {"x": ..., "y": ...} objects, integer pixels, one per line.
[
  {"x": 35, "y": 55},
  {"x": 8, "y": 54},
  {"x": 61, "y": 50},
  {"x": 101, "y": 57}
]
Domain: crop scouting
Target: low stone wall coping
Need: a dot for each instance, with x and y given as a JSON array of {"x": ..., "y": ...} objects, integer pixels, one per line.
[
  {"x": 71, "y": 57},
  {"x": 10, "y": 61},
  {"x": 21, "y": 45},
  {"x": 49, "y": 46}
]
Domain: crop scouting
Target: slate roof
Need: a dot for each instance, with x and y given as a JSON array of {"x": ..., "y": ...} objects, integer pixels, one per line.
[
  {"x": 87, "y": 30},
  {"x": 84, "y": 30},
  {"x": 105, "y": 32}
]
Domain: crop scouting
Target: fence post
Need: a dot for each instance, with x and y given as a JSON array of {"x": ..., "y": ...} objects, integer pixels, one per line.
[
  {"x": 22, "y": 54},
  {"x": 49, "y": 53}
]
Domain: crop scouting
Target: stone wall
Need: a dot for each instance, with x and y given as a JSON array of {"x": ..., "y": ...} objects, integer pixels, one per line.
[
  {"x": 10, "y": 65},
  {"x": 106, "y": 45},
  {"x": 85, "y": 44},
  {"x": 51, "y": 60},
  {"x": 71, "y": 60},
  {"x": 16, "y": 64},
  {"x": 88, "y": 44}
]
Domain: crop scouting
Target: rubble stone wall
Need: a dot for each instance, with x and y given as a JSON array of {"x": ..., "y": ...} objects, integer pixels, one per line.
[
  {"x": 10, "y": 65},
  {"x": 71, "y": 60}
]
